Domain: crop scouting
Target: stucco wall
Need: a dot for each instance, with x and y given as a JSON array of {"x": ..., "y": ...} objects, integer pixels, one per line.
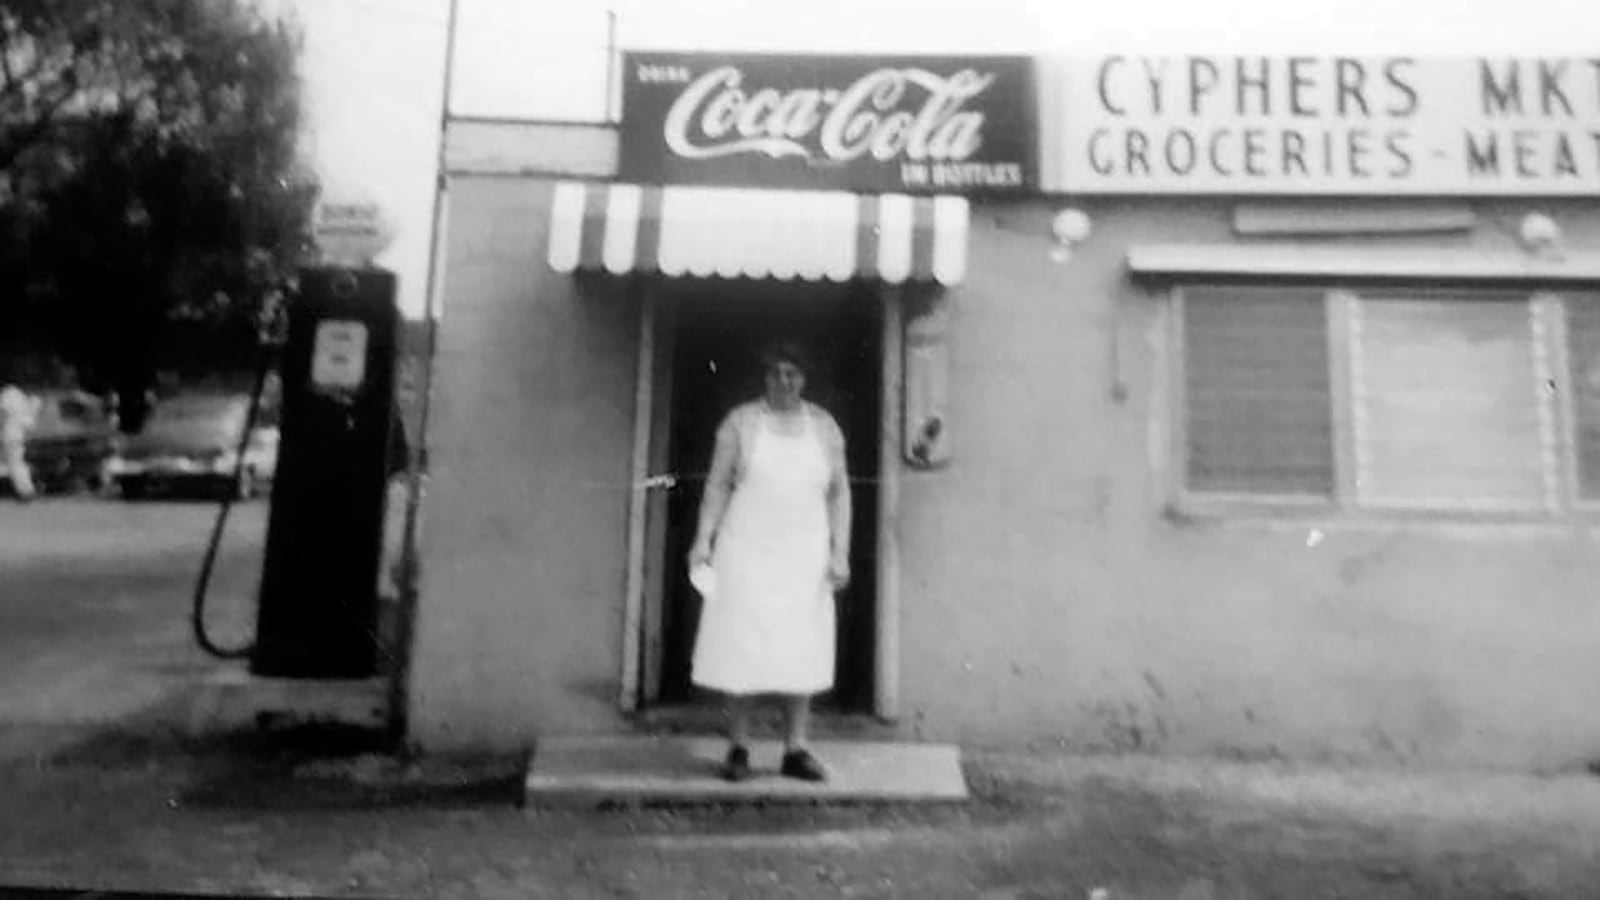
[
  {"x": 1050, "y": 596},
  {"x": 525, "y": 516},
  {"x": 1048, "y": 592}
]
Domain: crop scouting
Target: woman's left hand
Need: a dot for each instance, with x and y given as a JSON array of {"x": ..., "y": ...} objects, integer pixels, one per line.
[{"x": 839, "y": 574}]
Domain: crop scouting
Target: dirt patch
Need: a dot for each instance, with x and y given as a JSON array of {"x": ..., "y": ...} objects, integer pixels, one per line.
[{"x": 258, "y": 813}]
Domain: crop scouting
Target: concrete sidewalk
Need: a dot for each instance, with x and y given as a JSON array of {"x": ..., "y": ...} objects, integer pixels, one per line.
[
  {"x": 248, "y": 814},
  {"x": 642, "y": 769}
]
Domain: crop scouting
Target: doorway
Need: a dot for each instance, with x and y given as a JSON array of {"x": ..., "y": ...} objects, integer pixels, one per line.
[{"x": 717, "y": 328}]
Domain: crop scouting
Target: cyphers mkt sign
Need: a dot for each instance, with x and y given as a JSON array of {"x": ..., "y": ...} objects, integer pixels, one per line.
[
  {"x": 1324, "y": 125},
  {"x": 919, "y": 124}
]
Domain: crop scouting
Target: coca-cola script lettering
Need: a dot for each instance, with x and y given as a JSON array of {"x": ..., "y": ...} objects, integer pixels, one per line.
[
  {"x": 885, "y": 114},
  {"x": 896, "y": 123}
]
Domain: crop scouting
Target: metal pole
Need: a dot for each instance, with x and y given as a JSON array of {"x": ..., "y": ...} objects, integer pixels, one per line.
[
  {"x": 441, "y": 181},
  {"x": 611, "y": 63},
  {"x": 398, "y": 695}
]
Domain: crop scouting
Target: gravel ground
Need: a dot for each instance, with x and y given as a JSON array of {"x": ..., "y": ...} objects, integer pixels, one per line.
[{"x": 246, "y": 815}]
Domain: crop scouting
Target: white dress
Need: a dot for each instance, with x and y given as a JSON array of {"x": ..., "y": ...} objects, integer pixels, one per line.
[{"x": 769, "y": 625}]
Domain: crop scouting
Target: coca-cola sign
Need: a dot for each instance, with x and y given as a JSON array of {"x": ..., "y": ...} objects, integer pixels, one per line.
[{"x": 918, "y": 124}]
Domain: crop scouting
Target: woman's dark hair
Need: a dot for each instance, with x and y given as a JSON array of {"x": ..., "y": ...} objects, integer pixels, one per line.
[{"x": 785, "y": 351}]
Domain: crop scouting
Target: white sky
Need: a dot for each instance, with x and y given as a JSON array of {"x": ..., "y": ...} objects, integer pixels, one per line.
[{"x": 374, "y": 68}]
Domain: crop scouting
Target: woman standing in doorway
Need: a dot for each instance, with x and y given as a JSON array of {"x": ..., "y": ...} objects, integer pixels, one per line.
[{"x": 774, "y": 536}]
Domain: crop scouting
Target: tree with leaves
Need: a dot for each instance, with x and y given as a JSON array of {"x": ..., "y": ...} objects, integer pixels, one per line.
[{"x": 151, "y": 191}]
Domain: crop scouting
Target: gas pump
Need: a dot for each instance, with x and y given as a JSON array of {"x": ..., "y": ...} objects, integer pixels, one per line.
[
  {"x": 318, "y": 605},
  {"x": 335, "y": 348}
]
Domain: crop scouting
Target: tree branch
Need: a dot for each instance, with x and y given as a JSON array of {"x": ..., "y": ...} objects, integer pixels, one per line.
[
  {"x": 11, "y": 150},
  {"x": 5, "y": 67}
]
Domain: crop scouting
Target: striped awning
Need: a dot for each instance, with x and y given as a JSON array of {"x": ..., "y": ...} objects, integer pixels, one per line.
[{"x": 737, "y": 233}]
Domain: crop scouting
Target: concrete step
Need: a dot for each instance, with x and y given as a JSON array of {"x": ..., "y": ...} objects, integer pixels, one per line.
[{"x": 631, "y": 769}]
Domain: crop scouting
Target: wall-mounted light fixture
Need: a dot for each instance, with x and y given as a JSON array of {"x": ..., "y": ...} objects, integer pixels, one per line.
[
  {"x": 1071, "y": 227},
  {"x": 1540, "y": 235}
]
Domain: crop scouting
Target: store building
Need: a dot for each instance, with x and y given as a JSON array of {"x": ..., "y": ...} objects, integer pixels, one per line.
[{"x": 1195, "y": 404}]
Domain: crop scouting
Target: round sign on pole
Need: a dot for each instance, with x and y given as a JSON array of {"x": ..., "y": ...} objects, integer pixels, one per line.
[{"x": 350, "y": 226}]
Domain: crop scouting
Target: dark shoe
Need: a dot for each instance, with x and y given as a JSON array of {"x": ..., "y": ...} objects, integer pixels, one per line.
[
  {"x": 737, "y": 766},
  {"x": 802, "y": 765}
]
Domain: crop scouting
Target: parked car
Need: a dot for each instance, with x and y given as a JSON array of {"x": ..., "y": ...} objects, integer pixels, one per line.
[
  {"x": 191, "y": 441},
  {"x": 72, "y": 441}
]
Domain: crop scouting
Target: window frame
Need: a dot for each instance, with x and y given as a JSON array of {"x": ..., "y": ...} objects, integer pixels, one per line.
[
  {"x": 1549, "y": 339},
  {"x": 1557, "y": 304}
]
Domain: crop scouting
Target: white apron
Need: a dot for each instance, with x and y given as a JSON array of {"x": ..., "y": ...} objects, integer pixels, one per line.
[{"x": 769, "y": 625}]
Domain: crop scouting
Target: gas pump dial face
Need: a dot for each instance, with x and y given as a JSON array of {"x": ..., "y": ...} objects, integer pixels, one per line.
[{"x": 339, "y": 356}]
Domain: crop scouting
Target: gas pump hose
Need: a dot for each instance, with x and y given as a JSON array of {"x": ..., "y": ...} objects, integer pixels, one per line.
[{"x": 197, "y": 617}]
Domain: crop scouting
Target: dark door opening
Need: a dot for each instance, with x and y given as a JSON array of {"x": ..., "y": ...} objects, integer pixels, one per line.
[{"x": 719, "y": 328}]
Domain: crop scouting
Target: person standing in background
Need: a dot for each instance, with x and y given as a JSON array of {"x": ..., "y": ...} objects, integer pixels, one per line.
[{"x": 18, "y": 413}]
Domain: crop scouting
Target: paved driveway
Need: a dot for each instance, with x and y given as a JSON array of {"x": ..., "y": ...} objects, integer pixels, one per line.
[{"x": 94, "y": 609}]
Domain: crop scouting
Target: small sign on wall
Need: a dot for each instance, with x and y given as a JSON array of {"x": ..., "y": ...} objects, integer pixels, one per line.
[{"x": 926, "y": 432}]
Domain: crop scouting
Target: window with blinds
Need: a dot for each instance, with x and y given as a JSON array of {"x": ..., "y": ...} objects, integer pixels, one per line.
[
  {"x": 1257, "y": 405},
  {"x": 1446, "y": 405},
  {"x": 1391, "y": 400}
]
